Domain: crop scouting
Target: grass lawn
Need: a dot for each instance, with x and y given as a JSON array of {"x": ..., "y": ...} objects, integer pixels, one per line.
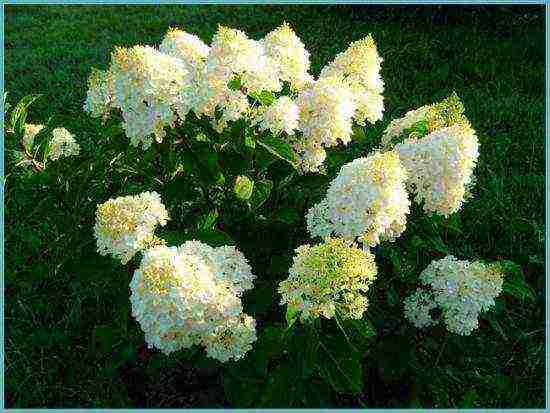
[{"x": 61, "y": 296}]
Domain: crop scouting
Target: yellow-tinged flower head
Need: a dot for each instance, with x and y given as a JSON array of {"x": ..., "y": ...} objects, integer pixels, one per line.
[
  {"x": 367, "y": 200},
  {"x": 436, "y": 116},
  {"x": 359, "y": 65},
  {"x": 329, "y": 277},
  {"x": 146, "y": 84},
  {"x": 126, "y": 225},
  {"x": 290, "y": 55}
]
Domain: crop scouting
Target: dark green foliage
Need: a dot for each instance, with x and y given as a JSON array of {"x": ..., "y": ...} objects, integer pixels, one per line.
[{"x": 70, "y": 338}]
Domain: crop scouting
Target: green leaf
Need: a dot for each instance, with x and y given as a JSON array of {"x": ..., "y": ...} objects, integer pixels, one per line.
[
  {"x": 265, "y": 97},
  {"x": 19, "y": 113},
  {"x": 289, "y": 216},
  {"x": 215, "y": 238},
  {"x": 242, "y": 386},
  {"x": 280, "y": 149},
  {"x": 235, "y": 83},
  {"x": 514, "y": 282},
  {"x": 262, "y": 190},
  {"x": 341, "y": 366},
  {"x": 291, "y": 316},
  {"x": 207, "y": 221},
  {"x": 279, "y": 388},
  {"x": 173, "y": 238}
]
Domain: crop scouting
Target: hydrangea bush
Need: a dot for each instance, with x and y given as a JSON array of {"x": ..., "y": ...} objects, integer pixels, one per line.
[{"x": 247, "y": 122}]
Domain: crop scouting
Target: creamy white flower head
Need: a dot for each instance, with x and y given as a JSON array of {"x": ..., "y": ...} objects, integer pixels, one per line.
[
  {"x": 439, "y": 149},
  {"x": 359, "y": 65},
  {"x": 98, "y": 97},
  {"x": 29, "y": 133},
  {"x": 367, "y": 200},
  {"x": 63, "y": 144},
  {"x": 326, "y": 111},
  {"x": 461, "y": 289},
  {"x": 145, "y": 85},
  {"x": 193, "y": 52},
  {"x": 233, "y": 53},
  {"x": 327, "y": 278},
  {"x": 228, "y": 264},
  {"x": 290, "y": 55},
  {"x": 126, "y": 225},
  {"x": 185, "y": 46},
  {"x": 190, "y": 295},
  {"x": 281, "y": 116},
  {"x": 177, "y": 300},
  {"x": 418, "y": 307},
  {"x": 440, "y": 167}
]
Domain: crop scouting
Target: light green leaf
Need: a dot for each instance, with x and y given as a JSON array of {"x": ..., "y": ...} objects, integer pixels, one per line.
[{"x": 280, "y": 149}]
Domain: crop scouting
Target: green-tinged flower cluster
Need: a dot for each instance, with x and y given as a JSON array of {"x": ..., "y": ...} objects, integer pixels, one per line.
[
  {"x": 461, "y": 289},
  {"x": 439, "y": 152},
  {"x": 328, "y": 278}
]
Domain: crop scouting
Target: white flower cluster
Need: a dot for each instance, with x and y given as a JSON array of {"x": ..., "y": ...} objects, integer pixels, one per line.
[
  {"x": 359, "y": 65},
  {"x": 349, "y": 88},
  {"x": 63, "y": 144},
  {"x": 191, "y": 295},
  {"x": 367, "y": 200},
  {"x": 461, "y": 289},
  {"x": 126, "y": 225},
  {"x": 290, "y": 56},
  {"x": 440, "y": 167},
  {"x": 439, "y": 164},
  {"x": 153, "y": 87}
]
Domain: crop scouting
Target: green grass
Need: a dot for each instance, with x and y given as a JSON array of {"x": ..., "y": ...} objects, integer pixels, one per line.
[{"x": 61, "y": 296}]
